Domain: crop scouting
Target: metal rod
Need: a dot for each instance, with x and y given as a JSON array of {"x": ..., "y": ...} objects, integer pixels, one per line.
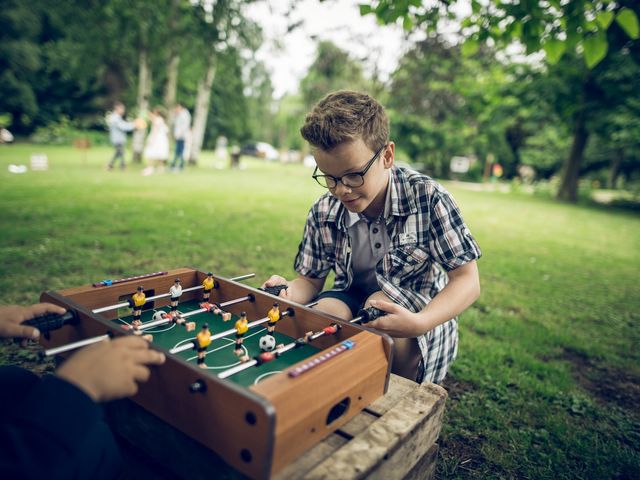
[
  {"x": 243, "y": 277},
  {"x": 277, "y": 352},
  {"x": 74, "y": 345},
  {"x": 157, "y": 323},
  {"x": 163, "y": 295},
  {"x": 238, "y": 368}
]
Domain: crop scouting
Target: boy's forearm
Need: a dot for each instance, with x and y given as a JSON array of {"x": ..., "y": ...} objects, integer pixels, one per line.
[{"x": 460, "y": 293}]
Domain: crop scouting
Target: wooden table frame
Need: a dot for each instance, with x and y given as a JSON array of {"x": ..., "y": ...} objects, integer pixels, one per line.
[{"x": 260, "y": 429}]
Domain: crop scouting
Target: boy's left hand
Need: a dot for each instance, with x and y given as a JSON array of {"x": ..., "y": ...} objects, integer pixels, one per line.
[{"x": 398, "y": 322}]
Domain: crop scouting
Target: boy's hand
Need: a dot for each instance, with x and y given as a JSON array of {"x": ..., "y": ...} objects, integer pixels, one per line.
[
  {"x": 12, "y": 316},
  {"x": 111, "y": 369},
  {"x": 275, "y": 280},
  {"x": 398, "y": 322}
]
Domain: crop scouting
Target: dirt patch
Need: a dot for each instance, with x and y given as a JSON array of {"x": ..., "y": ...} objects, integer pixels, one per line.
[
  {"x": 605, "y": 384},
  {"x": 456, "y": 388},
  {"x": 460, "y": 458},
  {"x": 13, "y": 353}
]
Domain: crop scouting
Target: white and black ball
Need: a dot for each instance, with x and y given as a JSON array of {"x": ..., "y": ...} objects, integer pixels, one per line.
[
  {"x": 158, "y": 316},
  {"x": 267, "y": 343}
]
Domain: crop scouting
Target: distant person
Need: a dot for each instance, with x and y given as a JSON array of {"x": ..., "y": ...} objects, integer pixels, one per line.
[
  {"x": 5, "y": 136},
  {"x": 51, "y": 427},
  {"x": 118, "y": 129},
  {"x": 156, "y": 151},
  {"x": 181, "y": 131},
  {"x": 497, "y": 171}
]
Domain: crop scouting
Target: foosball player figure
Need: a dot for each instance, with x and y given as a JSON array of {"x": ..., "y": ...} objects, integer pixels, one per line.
[
  {"x": 226, "y": 316},
  {"x": 242, "y": 326},
  {"x": 274, "y": 316},
  {"x": 203, "y": 340},
  {"x": 175, "y": 291},
  {"x": 208, "y": 284},
  {"x": 138, "y": 300}
]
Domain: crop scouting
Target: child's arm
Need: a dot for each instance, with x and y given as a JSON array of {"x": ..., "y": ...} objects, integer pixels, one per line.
[
  {"x": 302, "y": 289},
  {"x": 462, "y": 290}
]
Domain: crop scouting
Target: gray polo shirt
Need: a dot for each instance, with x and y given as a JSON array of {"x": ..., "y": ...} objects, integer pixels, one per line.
[{"x": 370, "y": 242}]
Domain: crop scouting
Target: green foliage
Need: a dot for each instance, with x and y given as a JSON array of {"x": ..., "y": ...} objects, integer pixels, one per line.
[
  {"x": 331, "y": 70},
  {"x": 555, "y": 27},
  {"x": 66, "y": 132},
  {"x": 229, "y": 110}
]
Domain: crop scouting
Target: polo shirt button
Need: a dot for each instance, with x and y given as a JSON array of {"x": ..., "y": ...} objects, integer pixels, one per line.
[
  {"x": 378, "y": 245},
  {"x": 375, "y": 230}
]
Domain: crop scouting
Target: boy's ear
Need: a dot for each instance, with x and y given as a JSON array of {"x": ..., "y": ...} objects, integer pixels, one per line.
[{"x": 389, "y": 155}]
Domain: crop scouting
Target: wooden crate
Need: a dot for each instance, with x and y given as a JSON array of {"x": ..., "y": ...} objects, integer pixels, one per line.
[{"x": 395, "y": 437}]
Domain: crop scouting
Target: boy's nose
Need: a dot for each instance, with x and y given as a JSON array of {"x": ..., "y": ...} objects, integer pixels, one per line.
[{"x": 341, "y": 189}]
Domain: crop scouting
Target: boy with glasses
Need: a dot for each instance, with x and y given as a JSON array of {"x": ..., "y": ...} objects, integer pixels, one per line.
[{"x": 395, "y": 239}]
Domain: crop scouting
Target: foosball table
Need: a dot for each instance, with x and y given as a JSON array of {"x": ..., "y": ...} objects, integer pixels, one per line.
[{"x": 258, "y": 398}]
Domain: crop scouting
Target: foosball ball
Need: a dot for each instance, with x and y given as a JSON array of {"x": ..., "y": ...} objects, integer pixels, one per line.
[{"x": 253, "y": 377}]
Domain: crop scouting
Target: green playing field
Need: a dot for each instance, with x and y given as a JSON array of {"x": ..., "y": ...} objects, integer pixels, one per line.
[{"x": 220, "y": 354}]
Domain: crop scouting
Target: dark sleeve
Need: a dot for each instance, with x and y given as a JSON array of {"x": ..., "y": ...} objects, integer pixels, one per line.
[{"x": 41, "y": 433}]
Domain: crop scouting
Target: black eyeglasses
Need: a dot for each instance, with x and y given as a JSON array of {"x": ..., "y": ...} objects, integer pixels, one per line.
[{"x": 351, "y": 180}]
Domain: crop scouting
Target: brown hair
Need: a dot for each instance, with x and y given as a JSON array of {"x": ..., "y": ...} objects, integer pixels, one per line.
[
  {"x": 345, "y": 116},
  {"x": 161, "y": 112}
]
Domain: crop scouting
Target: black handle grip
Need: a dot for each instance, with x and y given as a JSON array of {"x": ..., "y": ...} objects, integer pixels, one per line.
[
  {"x": 51, "y": 321},
  {"x": 370, "y": 314},
  {"x": 275, "y": 290}
]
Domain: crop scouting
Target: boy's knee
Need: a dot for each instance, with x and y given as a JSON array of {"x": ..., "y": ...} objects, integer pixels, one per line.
[
  {"x": 334, "y": 307},
  {"x": 379, "y": 295}
]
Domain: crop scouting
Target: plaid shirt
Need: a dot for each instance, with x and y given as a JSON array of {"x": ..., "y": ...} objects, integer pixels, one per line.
[{"x": 428, "y": 238}]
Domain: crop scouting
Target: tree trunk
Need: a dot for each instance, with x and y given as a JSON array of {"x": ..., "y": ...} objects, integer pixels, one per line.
[
  {"x": 201, "y": 112},
  {"x": 173, "y": 62},
  {"x": 172, "y": 85},
  {"x": 568, "y": 190},
  {"x": 615, "y": 168},
  {"x": 144, "y": 92},
  {"x": 115, "y": 84}
]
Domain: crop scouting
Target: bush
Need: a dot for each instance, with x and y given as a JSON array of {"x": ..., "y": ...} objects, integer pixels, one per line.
[{"x": 65, "y": 132}]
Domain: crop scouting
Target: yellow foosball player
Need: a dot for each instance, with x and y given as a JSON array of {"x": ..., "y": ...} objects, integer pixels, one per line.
[
  {"x": 207, "y": 284},
  {"x": 138, "y": 300},
  {"x": 242, "y": 326},
  {"x": 274, "y": 316},
  {"x": 203, "y": 340}
]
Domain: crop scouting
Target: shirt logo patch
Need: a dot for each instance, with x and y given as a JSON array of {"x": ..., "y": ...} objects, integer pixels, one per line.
[{"x": 407, "y": 238}]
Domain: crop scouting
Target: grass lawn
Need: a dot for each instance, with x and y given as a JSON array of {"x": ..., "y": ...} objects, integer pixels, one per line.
[{"x": 547, "y": 380}]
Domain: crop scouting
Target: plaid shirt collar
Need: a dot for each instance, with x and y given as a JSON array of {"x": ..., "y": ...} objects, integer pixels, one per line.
[{"x": 402, "y": 201}]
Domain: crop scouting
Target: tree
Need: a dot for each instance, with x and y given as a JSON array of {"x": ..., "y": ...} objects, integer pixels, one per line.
[
  {"x": 575, "y": 28},
  {"x": 332, "y": 69},
  {"x": 20, "y": 27},
  {"x": 556, "y": 27},
  {"x": 221, "y": 26}
]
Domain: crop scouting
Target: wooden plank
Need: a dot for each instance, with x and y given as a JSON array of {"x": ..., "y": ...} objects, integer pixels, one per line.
[
  {"x": 312, "y": 457},
  {"x": 425, "y": 469},
  {"x": 398, "y": 388},
  {"x": 393, "y": 445}
]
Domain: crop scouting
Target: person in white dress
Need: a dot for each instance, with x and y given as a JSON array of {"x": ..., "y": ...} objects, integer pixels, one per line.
[{"x": 156, "y": 151}]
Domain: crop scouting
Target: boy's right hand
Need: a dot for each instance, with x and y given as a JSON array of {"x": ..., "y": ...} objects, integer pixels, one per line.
[
  {"x": 274, "y": 281},
  {"x": 111, "y": 369}
]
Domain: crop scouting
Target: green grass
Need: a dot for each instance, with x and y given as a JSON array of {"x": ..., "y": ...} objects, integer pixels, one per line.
[{"x": 546, "y": 384}]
